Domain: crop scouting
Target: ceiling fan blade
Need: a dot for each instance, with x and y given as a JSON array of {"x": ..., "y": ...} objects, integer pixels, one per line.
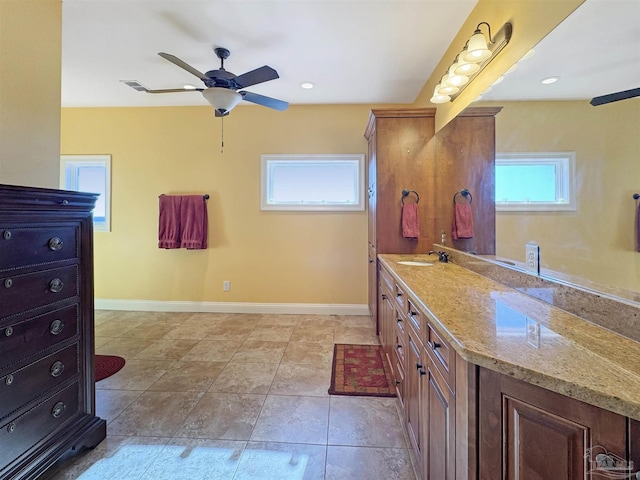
[
  {"x": 175, "y": 90},
  {"x": 176, "y": 61},
  {"x": 259, "y": 75},
  {"x": 264, "y": 101},
  {"x": 614, "y": 97}
]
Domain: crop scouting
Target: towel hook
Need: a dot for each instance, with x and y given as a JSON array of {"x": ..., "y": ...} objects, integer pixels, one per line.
[
  {"x": 636, "y": 196},
  {"x": 406, "y": 193},
  {"x": 465, "y": 193}
]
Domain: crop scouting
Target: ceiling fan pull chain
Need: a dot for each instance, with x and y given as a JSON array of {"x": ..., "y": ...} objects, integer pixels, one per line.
[{"x": 222, "y": 134}]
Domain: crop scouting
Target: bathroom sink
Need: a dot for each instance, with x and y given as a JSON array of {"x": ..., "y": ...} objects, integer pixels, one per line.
[{"x": 416, "y": 264}]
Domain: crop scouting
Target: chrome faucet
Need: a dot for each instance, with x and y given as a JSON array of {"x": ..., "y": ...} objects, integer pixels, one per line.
[{"x": 442, "y": 256}]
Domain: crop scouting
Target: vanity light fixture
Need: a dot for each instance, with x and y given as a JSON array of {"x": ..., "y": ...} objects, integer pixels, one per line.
[{"x": 474, "y": 57}]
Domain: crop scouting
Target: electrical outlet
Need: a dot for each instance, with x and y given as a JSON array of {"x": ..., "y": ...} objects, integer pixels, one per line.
[
  {"x": 226, "y": 285},
  {"x": 533, "y": 258}
]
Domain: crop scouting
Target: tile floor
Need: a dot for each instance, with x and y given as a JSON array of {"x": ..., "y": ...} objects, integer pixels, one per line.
[{"x": 236, "y": 396}]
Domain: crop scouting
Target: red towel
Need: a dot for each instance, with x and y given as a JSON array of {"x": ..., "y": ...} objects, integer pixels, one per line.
[
  {"x": 193, "y": 221},
  {"x": 410, "y": 222},
  {"x": 169, "y": 223},
  {"x": 462, "y": 221}
]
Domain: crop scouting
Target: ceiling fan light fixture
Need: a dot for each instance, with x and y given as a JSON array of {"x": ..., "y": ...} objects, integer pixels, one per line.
[{"x": 222, "y": 99}]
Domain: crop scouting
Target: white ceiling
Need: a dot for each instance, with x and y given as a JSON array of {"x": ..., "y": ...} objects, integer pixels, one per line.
[{"x": 356, "y": 51}]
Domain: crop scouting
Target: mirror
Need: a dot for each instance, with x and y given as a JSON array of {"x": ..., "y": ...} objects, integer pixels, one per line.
[{"x": 594, "y": 52}]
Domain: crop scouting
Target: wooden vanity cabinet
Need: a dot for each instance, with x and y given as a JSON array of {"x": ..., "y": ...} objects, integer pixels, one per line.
[{"x": 533, "y": 433}]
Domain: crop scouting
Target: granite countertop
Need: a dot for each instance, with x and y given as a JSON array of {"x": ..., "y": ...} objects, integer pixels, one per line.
[{"x": 499, "y": 328}]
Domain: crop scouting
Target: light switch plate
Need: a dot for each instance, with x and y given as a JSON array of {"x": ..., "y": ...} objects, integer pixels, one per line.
[{"x": 533, "y": 258}]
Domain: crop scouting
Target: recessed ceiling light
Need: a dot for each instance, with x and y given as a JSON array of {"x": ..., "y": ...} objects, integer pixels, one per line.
[
  {"x": 188, "y": 86},
  {"x": 307, "y": 85},
  {"x": 549, "y": 80}
]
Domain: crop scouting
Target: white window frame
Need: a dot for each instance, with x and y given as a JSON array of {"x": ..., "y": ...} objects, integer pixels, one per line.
[
  {"x": 77, "y": 161},
  {"x": 564, "y": 163},
  {"x": 265, "y": 204}
]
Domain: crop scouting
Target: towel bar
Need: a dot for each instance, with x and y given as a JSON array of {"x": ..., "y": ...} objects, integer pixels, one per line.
[
  {"x": 406, "y": 193},
  {"x": 465, "y": 193}
]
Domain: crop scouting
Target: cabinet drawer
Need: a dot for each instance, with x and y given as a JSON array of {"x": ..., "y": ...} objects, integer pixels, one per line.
[
  {"x": 416, "y": 320},
  {"x": 24, "y": 246},
  {"x": 440, "y": 351},
  {"x": 19, "y": 434},
  {"x": 20, "y": 386},
  {"x": 401, "y": 298},
  {"x": 21, "y": 339},
  {"x": 399, "y": 347},
  {"x": 386, "y": 280},
  {"x": 28, "y": 291}
]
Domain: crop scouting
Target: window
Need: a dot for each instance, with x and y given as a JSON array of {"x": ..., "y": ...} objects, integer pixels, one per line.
[
  {"x": 535, "y": 181},
  {"x": 90, "y": 173},
  {"x": 312, "y": 182}
]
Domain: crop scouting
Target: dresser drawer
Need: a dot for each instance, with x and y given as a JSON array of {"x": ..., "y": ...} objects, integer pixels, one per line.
[
  {"x": 416, "y": 320},
  {"x": 21, "y": 339},
  {"x": 19, "y": 434},
  {"x": 24, "y": 246},
  {"x": 20, "y": 386},
  {"x": 441, "y": 353},
  {"x": 31, "y": 290}
]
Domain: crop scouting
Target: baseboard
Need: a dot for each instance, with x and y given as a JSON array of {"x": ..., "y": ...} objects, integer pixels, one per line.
[{"x": 232, "y": 307}]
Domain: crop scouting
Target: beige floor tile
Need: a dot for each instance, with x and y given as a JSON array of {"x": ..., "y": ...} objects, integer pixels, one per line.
[
  {"x": 116, "y": 457},
  {"x": 111, "y": 403},
  {"x": 365, "y": 463},
  {"x": 188, "y": 377},
  {"x": 136, "y": 375},
  {"x": 187, "y": 331},
  {"x": 123, "y": 347},
  {"x": 228, "y": 331},
  {"x": 309, "y": 353},
  {"x": 320, "y": 334},
  {"x": 249, "y": 319},
  {"x": 99, "y": 341},
  {"x": 365, "y": 421},
  {"x": 115, "y": 328},
  {"x": 293, "y": 419},
  {"x": 245, "y": 378},
  {"x": 151, "y": 329},
  {"x": 213, "y": 350},
  {"x": 167, "y": 349},
  {"x": 227, "y": 416},
  {"x": 316, "y": 321},
  {"x": 254, "y": 351},
  {"x": 358, "y": 321},
  {"x": 263, "y": 460},
  {"x": 271, "y": 333},
  {"x": 191, "y": 458},
  {"x": 155, "y": 414},
  {"x": 296, "y": 379},
  {"x": 355, "y": 335},
  {"x": 276, "y": 319}
]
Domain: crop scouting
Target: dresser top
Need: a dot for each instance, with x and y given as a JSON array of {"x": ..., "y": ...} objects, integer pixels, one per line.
[
  {"x": 501, "y": 329},
  {"x": 15, "y": 197}
]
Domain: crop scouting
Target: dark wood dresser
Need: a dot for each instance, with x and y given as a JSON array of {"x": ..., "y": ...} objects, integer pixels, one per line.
[{"x": 47, "y": 388}]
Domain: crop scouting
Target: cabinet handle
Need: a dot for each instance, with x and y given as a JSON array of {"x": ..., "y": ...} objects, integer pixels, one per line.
[
  {"x": 56, "y": 285},
  {"x": 8, "y": 283},
  {"x": 55, "y": 244},
  {"x": 399, "y": 347},
  {"x": 58, "y": 409},
  {"x": 413, "y": 314},
  {"x": 8, "y": 331},
  {"x": 8, "y": 379},
  {"x": 399, "y": 320},
  {"x": 423, "y": 372},
  {"x": 399, "y": 294},
  {"x": 384, "y": 297},
  {"x": 398, "y": 382},
  {"x": 11, "y": 427},
  {"x": 6, "y": 234},
  {"x": 57, "y": 368},
  {"x": 434, "y": 345},
  {"x": 370, "y": 261},
  {"x": 418, "y": 366},
  {"x": 56, "y": 327}
]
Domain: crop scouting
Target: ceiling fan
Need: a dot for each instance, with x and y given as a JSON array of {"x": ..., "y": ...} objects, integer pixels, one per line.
[
  {"x": 614, "y": 97},
  {"x": 221, "y": 85}
]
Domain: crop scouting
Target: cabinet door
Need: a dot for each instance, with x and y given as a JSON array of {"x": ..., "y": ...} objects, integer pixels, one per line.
[
  {"x": 438, "y": 426},
  {"x": 373, "y": 287},
  {"x": 527, "y": 432},
  {"x": 412, "y": 394},
  {"x": 386, "y": 317}
]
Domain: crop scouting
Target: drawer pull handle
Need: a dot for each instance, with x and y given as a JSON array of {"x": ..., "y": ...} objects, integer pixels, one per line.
[
  {"x": 418, "y": 366},
  {"x": 55, "y": 244},
  {"x": 434, "y": 345},
  {"x": 413, "y": 314},
  {"x": 56, "y": 285},
  {"x": 11, "y": 427},
  {"x": 58, "y": 409},
  {"x": 6, "y": 234},
  {"x": 399, "y": 347},
  {"x": 8, "y": 283},
  {"x": 8, "y": 331},
  {"x": 398, "y": 382},
  {"x": 56, "y": 327},
  {"x": 8, "y": 379},
  {"x": 384, "y": 297},
  {"x": 422, "y": 372},
  {"x": 57, "y": 368},
  {"x": 399, "y": 294}
]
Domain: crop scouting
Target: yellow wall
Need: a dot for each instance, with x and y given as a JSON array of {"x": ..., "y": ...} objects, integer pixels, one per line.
[
  {"x": 531, "y": 20},
  {"x": 30, "y": 49},
  {"x": 597, "y": 241},
  {"x": 268, "y": 256}
]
